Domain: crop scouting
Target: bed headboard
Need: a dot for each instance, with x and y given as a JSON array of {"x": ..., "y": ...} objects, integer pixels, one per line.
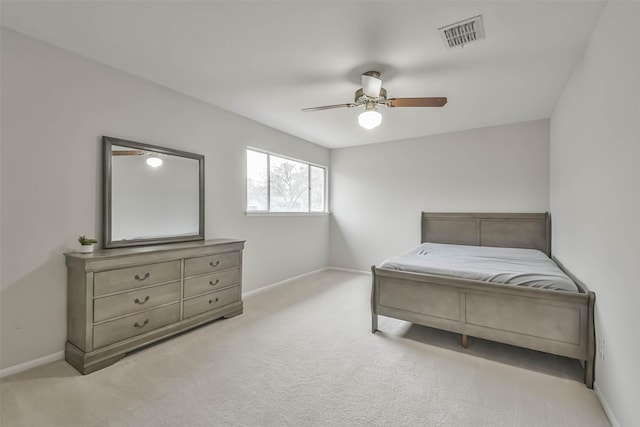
[{"x": 508, "y": 230}]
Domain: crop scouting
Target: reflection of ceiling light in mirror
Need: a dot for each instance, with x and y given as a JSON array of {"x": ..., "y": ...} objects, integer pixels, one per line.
[{"x": 154, "y": 162}]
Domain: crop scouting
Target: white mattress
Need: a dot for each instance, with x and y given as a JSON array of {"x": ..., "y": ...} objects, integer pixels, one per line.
[{"x": 518, "y": 267}]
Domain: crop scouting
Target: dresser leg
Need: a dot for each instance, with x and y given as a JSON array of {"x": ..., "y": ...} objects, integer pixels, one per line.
[
  {"x": 233, "y": 314},
  {"x": 463, "y": 340},
  {"x": 76, "y": 358},
  {"x": 103, "y": 363}
]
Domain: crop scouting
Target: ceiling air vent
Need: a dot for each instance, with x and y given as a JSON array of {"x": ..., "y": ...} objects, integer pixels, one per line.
[{"x": 463, "y": 32}]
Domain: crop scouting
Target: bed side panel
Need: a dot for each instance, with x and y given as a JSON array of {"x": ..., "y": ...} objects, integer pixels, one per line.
[
  {"x": 526, "y": 317},
  {"x": 431, "y": 300}
]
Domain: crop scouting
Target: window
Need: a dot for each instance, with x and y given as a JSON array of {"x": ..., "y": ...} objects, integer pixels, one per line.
[{"x": 279, "y": 184}]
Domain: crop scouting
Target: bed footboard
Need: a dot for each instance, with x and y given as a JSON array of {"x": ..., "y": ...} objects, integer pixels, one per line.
[{"x": 550, "y": 321}]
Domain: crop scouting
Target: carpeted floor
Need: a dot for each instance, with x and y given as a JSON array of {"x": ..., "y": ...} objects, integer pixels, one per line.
[{"x": 302, "y": 355}]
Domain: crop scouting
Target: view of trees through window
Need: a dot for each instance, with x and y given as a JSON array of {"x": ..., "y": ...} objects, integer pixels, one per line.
[{"x": 277, "y": 184}]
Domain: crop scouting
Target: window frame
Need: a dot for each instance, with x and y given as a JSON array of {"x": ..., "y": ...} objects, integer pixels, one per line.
[{"x": 269, "y": 212}]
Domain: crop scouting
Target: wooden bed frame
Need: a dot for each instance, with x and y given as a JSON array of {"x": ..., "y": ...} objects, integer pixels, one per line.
[{"x": 551, "y": 321}]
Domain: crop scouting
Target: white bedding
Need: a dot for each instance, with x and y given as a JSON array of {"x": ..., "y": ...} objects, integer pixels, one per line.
[{"x": 518, "y": 267}]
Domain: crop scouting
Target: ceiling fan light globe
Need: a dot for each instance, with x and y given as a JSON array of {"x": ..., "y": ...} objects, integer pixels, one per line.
[
  {"x": 370, "y": 119},
  {"x": 154, "y": 162}
]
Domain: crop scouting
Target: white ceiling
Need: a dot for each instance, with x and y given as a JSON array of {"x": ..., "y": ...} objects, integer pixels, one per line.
[{"x": 266, "y": 60}]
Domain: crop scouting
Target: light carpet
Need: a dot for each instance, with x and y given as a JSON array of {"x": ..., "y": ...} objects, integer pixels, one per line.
[{"x": 302, "y": 355}]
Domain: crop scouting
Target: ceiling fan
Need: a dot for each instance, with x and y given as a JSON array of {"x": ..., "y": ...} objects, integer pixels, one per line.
[{"x": 372, "y": 94}]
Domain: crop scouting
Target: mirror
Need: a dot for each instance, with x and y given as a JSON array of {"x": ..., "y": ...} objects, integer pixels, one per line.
[{"x": 151, "y": 194}]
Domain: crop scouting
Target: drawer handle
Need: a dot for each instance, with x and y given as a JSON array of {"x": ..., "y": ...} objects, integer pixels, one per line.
[
  {"x": 146, "y": 276},
  {"x": 214, "y": 265},
  {"x": 138, "y": 325},
  {"x": 137, "y": 301},
  {"x": 214, "y": 283},
  {"x": 212, "y": 301}
]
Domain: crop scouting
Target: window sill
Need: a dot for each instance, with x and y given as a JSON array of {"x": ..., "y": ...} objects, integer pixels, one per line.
[{"x": 255, "y": 213}]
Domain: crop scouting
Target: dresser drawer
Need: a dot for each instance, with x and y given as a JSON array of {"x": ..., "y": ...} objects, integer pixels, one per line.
[
  {"x": 130, "y": 326},
  {"x": 134, "y": 301},
  {"x": 211, "y": 282},
  {"x": 211, "y": 263},
  {"x": 122, "y": 279},
  {"x": 204, "y": 303}
]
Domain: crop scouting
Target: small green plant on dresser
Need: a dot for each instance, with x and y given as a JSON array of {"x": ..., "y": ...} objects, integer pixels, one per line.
[
  {"x": 84, "y": 240},
  {"x": 86, "y": 244}
]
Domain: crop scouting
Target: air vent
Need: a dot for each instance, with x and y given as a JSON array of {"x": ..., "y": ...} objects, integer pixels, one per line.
[{"x": 463, "y": 32}]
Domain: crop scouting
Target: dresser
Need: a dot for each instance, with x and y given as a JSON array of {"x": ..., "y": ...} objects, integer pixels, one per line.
[{"x": 119, "y": 300}]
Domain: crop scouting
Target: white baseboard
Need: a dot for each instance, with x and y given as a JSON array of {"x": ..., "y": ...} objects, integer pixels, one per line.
[
  {"x": 300, "y": 276},
  {"x": 605, "y": 406},
  {"x": 31, "y": 364},
  {"x": 349, "y": 270}
]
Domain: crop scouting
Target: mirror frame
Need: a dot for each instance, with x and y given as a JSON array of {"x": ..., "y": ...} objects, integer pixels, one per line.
[{"x": 108, "y": 142}]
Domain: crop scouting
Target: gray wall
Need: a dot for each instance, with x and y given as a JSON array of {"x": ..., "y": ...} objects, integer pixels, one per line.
[
  {"x": 595, "y": 196},
  {"x": 55, "y": 108},
  {"x": 378, "y": 191}
]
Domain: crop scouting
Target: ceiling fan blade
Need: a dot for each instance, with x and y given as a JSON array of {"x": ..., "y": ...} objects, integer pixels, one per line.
[
  {"x": 416, "y": 102},
  {"x": 329, "y": 107},
  {"x": 371, "y": 84}
]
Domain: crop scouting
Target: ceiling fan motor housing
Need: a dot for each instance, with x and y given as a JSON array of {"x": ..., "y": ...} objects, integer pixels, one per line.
[
  {"x": 361, "y": 98},
  {"x": 374, "y": 74}
]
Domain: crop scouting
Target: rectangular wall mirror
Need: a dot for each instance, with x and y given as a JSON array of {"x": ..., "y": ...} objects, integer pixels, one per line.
[{"x": 152, "y": 194}]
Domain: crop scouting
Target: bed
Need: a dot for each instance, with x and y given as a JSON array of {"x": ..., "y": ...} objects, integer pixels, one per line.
[{"x": 553, "y": 319}]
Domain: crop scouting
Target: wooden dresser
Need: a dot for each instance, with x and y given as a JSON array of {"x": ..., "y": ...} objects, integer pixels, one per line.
[{"x": 122, "y": 299}]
